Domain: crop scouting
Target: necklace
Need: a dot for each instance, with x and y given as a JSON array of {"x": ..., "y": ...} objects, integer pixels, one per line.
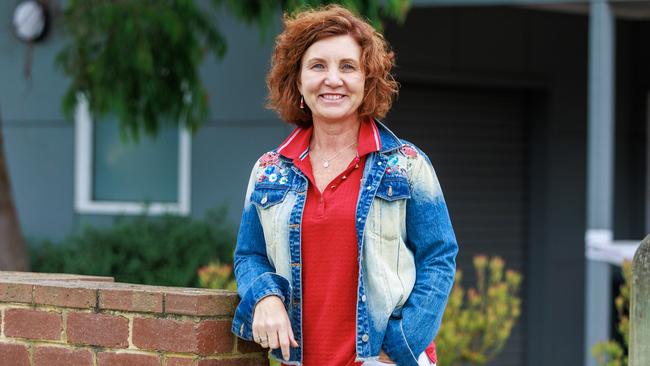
[{"x": 326, "y": 162}]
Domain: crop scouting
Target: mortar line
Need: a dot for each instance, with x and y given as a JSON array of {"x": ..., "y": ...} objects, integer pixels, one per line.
[
  {"x": 64, "y": 325},
  {"x": 30, "y": 353},
  {"x": 131, "y": 345}
]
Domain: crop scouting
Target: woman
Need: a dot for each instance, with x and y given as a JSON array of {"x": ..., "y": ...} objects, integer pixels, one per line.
[{"x": 345, "y": 253}]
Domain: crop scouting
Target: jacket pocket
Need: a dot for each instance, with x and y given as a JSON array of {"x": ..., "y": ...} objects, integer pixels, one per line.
[
  {"x": 393, "y": 189},
  {"x": 385, "y": 249},
  {"x": 267, "y": 195}
]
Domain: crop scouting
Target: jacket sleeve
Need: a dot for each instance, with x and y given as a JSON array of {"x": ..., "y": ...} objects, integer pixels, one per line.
[
  {"x": 431, "y": 238},
  {"x": 256, "y": 277}
]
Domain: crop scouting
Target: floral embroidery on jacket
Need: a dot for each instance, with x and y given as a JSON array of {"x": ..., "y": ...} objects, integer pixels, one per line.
[
  {"x": 400, "y": 164},
  {"x": 270, "y": 158},
  {"x": 272, "y": 169},
  {"x": 409, "y": 151}
]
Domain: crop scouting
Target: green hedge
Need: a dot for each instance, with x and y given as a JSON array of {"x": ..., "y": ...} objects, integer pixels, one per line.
[{"x": 165, "y": 250}]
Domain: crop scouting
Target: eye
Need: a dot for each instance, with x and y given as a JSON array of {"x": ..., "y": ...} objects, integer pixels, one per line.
[
  {"x": 318, "y": 66},
  {"x": 348, "y": 67}
]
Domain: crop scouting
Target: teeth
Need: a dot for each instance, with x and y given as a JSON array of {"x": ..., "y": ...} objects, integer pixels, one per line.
[{"x": 332, "y": 97}]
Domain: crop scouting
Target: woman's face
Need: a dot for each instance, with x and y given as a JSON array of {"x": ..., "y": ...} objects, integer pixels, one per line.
[{"x": 331, "y": 78}]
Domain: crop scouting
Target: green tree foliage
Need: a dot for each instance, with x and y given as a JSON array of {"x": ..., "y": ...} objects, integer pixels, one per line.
[
  {"x": 478, "y": 322},
  {"x": 139, "y": 59},
  {"x": 262, "y": 12},
  {"x": 165, "y": 250},
  {"x": 613, "y": 352}
]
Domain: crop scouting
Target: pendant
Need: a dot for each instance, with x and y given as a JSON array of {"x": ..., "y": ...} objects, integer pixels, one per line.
[{"x": 326, "y": 163}]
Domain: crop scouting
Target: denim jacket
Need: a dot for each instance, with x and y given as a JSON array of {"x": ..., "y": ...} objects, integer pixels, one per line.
[{"x": 406, "y": 250}]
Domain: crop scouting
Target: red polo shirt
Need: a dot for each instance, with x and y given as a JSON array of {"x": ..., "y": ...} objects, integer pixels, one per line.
[{"x": 329, "y": 252}]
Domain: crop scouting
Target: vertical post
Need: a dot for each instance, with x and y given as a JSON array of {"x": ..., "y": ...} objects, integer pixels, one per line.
[
  {"x": 640, "y": 306},
  {"x": 600, "y": 167},
  {"x": 647, "y": 166}
]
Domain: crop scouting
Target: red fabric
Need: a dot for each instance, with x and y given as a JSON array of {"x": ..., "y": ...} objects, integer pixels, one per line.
[
  {"x": 298, "y": 141},
  {"x": 431, "y": 352},
  {"x": 330, "y": 268},
  {"x": 329, "y": 253}
]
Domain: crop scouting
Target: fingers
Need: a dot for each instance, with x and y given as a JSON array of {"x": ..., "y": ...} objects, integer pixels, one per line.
[
  {"x": 283, "y": 339},
  {"x": 292, "y": 338},
  {"x": 272, "y": 327},
  {"x": 260, "y": 339},
  {"x": 273, "y": 339},
  {"x": 264, "y": 342}
]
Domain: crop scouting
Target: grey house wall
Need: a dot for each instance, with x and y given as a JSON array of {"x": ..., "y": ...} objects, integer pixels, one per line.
[
  {"x": 40, "y": 141},
  {"x": 632, "y": 114},
  {"x": 542, "y": 57}
]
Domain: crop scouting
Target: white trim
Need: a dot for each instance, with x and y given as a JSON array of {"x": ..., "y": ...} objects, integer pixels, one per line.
[
  {"x": 289, "y": 139},
  {"x": 83, "y": 174},
  {"x": 601, "y": 247},
  {"x": 375, "y": 134}
]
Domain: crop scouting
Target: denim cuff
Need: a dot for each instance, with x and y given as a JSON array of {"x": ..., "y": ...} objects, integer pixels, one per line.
[
  {"x": 266, "y": 284},
  {"x": 396, "y": 346}
]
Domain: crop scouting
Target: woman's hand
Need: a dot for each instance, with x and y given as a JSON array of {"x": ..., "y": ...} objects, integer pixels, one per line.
[
  {"x": 383, "y": 357},
  {"x": 271, "y": 325}
]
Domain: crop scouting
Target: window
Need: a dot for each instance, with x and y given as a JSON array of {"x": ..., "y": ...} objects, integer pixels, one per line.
[{"x": 116, "y": 177}]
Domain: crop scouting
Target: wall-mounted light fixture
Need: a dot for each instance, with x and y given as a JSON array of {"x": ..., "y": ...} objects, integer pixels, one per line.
[{"x": 30, "y": 21}]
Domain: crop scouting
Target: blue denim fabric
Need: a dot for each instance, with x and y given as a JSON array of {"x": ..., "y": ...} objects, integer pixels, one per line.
[{"x": 406, "y": 244}]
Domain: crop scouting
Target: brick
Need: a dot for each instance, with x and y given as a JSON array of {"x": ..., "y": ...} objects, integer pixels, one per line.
[
  {"x": 13, "y": 355},
  {"x": 164, "y": 335},
  {"x": 201, "y": 303},
  {"x": 126, "y": 359},
  {"x": 59, "y": 356},
  {"x": 235, "y": 362},
  {"x": 98, "y": 330},
  {"x": 33, "y": 324},
  {"x": 179, "y": 361},
  {"x": 37, "y": 276},
  {"x": 69, "y": 297},
  {"x": 249, "y": 347},
  {"x": 15, "y": 292},
  {"x": 205, "y": 338},
  {"x": 131, "y": 300},
  {"x": 214, "y": 337}
]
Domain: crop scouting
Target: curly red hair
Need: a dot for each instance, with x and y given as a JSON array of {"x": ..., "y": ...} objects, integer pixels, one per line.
[{"x": 307, "y": 27}]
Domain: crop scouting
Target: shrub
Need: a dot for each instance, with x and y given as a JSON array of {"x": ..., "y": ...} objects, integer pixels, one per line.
[
  {"x": 217, "y": 276},
  {"x": 164, "y": 250},
  {"x": 612, "y": 352},
  {"x": 478, "y": 322},
  {"x": 473, "y": 331}
]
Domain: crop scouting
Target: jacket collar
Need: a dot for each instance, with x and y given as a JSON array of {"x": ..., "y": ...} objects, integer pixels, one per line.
[
  {"x": 373, "y": 136},
  {"x": 296, "y": 146},
  {"x": 388, "y": 139}
]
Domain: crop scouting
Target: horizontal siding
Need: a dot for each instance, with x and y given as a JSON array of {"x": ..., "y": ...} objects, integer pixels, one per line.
[{"x": 477, "y": 143}]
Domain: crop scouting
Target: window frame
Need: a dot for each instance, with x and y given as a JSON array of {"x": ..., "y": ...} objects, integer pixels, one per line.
[{"x": 84, "y": 148}]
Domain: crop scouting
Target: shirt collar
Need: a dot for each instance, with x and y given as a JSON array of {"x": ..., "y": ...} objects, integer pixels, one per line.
[{"x": 297, "y": 144}]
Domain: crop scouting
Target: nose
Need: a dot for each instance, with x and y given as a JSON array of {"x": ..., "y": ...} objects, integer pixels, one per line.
[{"x": 333, "y": 78}]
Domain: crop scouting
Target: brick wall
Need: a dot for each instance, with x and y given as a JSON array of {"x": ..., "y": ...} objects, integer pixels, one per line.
[{"x": 70, "y": 320}]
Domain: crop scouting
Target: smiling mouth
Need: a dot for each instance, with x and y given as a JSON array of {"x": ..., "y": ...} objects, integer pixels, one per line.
[{"x": 332, "y": 97}]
